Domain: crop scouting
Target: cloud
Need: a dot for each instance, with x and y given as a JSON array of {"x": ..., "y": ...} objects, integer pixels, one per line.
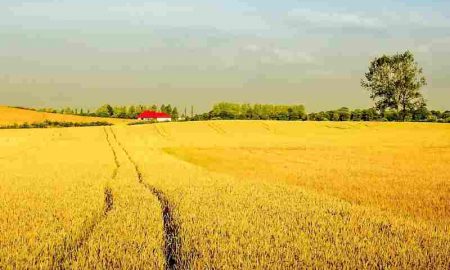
[
  {"x": 252, "y": 48},
  {"x": 155, "y": 9},
  {"x": 333, "y": 19},
  {"x": 434, "y": 46},
  {"x": 279, "y": 55},
  {"x": 194, "y": 15},
  {"x": 383, "y": 19},
  {"x": 292, "y": 56},
  {"x": 415, "y": 18},
  {"x": 156, "y": 13}
]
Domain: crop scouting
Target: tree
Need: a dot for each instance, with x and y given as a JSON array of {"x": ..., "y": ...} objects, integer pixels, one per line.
[
  {"x": 131, "y": 113},
  {"x": 67, "y": 110},
  {"x": 394, "y": 83},
  {"x": 344, "y": 114},
  {"x": 296, "y": 112},
  {"x": 446, "y": 117},
  {"x": 356, "y": 115},
  {"x": 105, "y": 111},
  {"x": 246, "y": 111},
  {"x": 421, "y": 114},
  {"x": 168, "y": 109},
  {"x": 120, "y": 111},
  {"x": 369, "y": 115},
  {"x": 174, "y": 113}
]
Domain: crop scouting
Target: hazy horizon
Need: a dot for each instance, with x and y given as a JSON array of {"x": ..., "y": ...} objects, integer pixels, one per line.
[{"x": 87, "y": 53}]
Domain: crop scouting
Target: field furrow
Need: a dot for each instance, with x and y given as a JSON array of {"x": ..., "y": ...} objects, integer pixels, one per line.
[
  {"x": 216, "y": 128},
  {"x": 171, "y": 228},
  {"x": 65, "y": 256},
  {"x": 131, "y": 236},
  {"x": 68, "y": 255}
]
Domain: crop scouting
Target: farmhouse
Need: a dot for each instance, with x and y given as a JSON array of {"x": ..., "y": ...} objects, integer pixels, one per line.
[{"x": 156, "y": 116}]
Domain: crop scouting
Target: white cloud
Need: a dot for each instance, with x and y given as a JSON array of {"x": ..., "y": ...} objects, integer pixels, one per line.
[
  {"x": 435, "y": 45},
  {"x": 292, "y": 56},
  {"x": 333, "y": 19},
  {"x": 383, "y": 19},
  {"x": 191, "y": 15},
  {"x": 154, "y": 9},
  {"x": 252, "y": 48},
  {"x": 270, "y": 54},
  {"x": 415, "y": 18},
  {"x": 157, "y": 13}
]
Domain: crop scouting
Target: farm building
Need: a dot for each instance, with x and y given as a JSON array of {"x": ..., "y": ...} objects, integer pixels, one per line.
[{"x": 156, "y": 116}]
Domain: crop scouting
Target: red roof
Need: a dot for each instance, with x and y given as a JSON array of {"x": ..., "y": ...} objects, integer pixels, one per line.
[{"x": 153, "y": 115}]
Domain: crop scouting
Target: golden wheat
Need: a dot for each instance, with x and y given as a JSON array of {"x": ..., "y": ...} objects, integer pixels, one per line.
[
  {"x": 68, "y": 201},
  {"x": 392, "y": 166},
  {"x": 131, "y": 236},
  {"x": 52, "y": 190},
  {"x": 11, "y": 116},
  {"x": 277, "y": 220},
  {"x": 226, "y": 195}
]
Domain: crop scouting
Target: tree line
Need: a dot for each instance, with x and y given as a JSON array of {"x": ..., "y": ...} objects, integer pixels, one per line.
[
  {"x": 231, "y": 111},
  {"x": 55, "y": 124},
  {"x": 345, "y": 114},
  {"x": 236, "y": 111},
  {"x": 107, "y": 110}
]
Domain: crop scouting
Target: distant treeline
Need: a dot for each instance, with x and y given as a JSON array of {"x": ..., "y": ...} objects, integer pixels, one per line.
[
  {"x": 55, "y": 124},
  {"x": 230, "y": 111},
  {"x": 345, "y": 114},
  {"x": 297, "y": 112},
  {"x": 226, "y": 110},
  {"x": 125, "y": 112}
]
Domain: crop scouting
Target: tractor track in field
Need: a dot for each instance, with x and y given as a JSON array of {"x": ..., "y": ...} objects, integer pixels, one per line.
[
  {"x": 268, "y": 127},
  {"x": 69, "y": 251},
  {"x": 116, "y": 160},
  {"x": 162, "y": 132},
  {"x": 217, "y": 128},
  {"x": 172, "y": 243}
]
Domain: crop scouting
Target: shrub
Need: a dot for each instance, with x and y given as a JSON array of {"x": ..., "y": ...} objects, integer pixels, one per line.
[{"x": 55, "y": 124}]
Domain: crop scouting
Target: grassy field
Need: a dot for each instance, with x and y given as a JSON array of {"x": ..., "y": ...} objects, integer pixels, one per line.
[
  {"x": 227, "y": 195},
  {"x": 10, "y": 116}
]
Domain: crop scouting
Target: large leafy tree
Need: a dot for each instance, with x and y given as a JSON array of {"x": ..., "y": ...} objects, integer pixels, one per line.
[{"x": 394, "y": 83}]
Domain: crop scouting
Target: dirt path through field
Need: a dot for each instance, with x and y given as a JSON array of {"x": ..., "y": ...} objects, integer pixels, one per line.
[{"x": 172, "y": 242}]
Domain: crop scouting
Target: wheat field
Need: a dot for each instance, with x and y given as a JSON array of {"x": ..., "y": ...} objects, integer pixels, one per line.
[
  {"x": 68, "y": 201},
  {"x": 11, "y": 116},
  {"x": 226, "y": 195}
]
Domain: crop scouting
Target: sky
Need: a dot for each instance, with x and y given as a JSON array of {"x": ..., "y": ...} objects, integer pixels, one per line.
[{"x": 86, "y": 53}]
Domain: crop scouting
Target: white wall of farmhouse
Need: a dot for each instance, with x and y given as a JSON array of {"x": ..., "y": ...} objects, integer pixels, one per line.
[
  {"x": 164, "y": 119},
  {"x": 157, "y": 119}
]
